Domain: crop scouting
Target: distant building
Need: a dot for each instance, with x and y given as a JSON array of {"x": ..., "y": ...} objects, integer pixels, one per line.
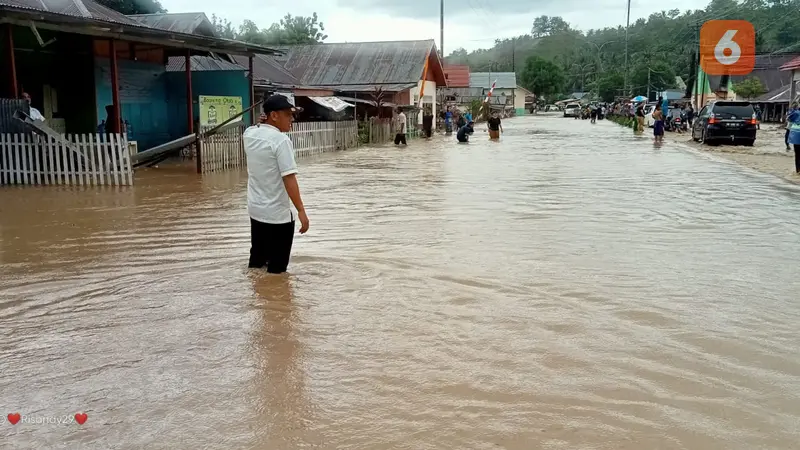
[
  {"x": 767, "y": 70},
  {"x": 356, "y": 71},
  {"x": 506, "y": 91}
]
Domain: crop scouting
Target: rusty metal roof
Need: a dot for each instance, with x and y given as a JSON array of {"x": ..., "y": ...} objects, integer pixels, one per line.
[
  {"x": 794, "y": 64},
  {"x": 78, "y": 8},
  {"x": 267, "y": 70},
  {"x": 190, "y": 23},
  {"x": 358, "y": 63},
  {"x": 201, "y": 64},
  {"x": 390, "y": 87},
  {"x": 457, "y": 75},
  {"x": 90, "y": 18}
]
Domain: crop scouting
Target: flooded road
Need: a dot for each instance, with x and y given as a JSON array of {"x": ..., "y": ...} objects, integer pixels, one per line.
[{"x": 570, "y": 287}]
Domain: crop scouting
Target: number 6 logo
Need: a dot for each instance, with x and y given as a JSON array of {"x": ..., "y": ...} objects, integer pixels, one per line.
[{"x": 727, "y": 47}]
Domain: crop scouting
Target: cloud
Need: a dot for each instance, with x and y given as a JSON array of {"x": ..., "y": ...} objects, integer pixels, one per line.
[
  {"x": 421, "y": 9},
  {"x": 471, "y": 24}
]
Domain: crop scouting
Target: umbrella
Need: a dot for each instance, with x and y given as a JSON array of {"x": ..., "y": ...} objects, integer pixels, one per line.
[{"x": 639, "y": 98}]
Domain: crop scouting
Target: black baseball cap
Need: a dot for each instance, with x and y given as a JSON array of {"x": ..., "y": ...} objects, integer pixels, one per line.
[{"x": 278, "y": 102}]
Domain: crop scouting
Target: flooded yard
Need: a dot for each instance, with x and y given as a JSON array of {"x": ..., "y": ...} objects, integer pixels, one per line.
[{"x": 568, "y": 287}]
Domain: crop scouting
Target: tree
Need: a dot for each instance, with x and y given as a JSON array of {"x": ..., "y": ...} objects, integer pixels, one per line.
[
  {"x": 548, "y": 26},
  {"x": 542, "y": 77},
  {"x": 288, "y": 31},
  {"x": 609, "y": 85},
  {"x": 223, "y": 27},
  {"x": 660, "y": 75},
  {"x": 664, "y": 37},
  {"x": 128, "y": 7},
  {"x": 749, "y": 88},
  {"x": 300, "y": 30}
]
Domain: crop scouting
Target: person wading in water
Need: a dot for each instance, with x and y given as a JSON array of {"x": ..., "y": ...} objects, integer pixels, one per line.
[
  {"x": 658, "y": 124},
  {"x": 271, "y": 185},
  {"x": 794, "y": 135},
  {"x": 495, "y": 126},
  {"x": 464, "y": 132},
  {"x": 400, "y": 137},
  {"x": 640, "y": 118},
  {"x": 427, "y": 123}
]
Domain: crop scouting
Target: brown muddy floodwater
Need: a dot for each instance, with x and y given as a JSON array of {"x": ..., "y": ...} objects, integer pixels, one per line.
[{"x": 546, "y": 292}]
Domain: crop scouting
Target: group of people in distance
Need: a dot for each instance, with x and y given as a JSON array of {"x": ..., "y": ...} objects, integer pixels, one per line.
[
  {"x": 494, "y": 125},
  {"x": 465, "y": 125}
]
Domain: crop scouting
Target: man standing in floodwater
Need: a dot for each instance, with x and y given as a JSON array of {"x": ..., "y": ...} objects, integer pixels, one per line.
[
  {"x": 400, "y": 137},
  {"x": 271, "y": 185},
  {"x": 427, "y": 122},
  {"x": 495, "y": 126}
]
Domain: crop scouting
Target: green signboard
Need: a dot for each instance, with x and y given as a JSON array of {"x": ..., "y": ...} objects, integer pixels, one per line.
[{"x": 215, "y": 110}]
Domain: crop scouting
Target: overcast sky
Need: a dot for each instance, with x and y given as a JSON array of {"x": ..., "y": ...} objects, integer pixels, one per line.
[{"x": 468, "y": 23}]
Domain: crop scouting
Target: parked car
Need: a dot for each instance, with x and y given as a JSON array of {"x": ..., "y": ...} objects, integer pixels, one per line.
[
  {"x": 648, "y": 114},
  {"x": 572, "y": 110},
  {"x": 726, "y": 121}
]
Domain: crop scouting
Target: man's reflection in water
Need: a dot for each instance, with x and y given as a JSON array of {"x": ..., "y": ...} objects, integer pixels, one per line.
[{"x": 282, "y": 403}]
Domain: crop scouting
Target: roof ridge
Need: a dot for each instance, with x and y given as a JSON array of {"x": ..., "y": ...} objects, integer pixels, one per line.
[
  {"x": 359, "y": 42},
  {"x": 165, "y": 14}
]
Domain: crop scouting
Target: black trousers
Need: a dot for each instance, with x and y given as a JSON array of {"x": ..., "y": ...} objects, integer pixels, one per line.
[
  {"x": 797, "y": 158},
  {"x": 270, "y": 245},
  {"x": 400, "y": 138}
]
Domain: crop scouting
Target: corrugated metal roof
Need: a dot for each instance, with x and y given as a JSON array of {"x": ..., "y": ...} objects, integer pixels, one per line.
[
  {"x": 779, "y": 95},
  {"x": 792, "y": 65},
  {"x": 201, "y": 64},
  {"x": 78, "y": 8},
  {"x": 390, "y": 87},
  {"x": 360, "y": 63},
  {"x": 82, "y": 13},
  {"x": 505, "y": 80},
  {"x": 268, "y": 70},
  {"x": 190, "y": 23},
  {"x": 457, "y": 75}
]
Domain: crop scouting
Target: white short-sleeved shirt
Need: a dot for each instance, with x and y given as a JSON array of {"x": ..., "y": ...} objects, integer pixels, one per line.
[
  {"x": 401, "y": 122},
  {"x": 270, "y": 157}
]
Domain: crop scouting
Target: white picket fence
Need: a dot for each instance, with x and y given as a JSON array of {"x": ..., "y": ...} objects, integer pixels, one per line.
[
  {"x": 223, "y": 151},
  {"x": 87, "y": 159},
  {"x": 313, "y": 138}
]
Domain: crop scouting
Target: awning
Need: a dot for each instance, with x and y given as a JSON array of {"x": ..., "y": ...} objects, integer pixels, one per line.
[
  {"x": 367, "y": 102},
  {"x": 332, "y": 103}
]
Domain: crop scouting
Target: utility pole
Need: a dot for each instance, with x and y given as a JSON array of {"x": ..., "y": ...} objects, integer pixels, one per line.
[
  {"x": 441, "y": 28},
  {"x": 648, "y": 84},
  {"x": 513, "y": 54},
  {"x": 696, "y": 74},
  {"x": 627, "y": 25}
]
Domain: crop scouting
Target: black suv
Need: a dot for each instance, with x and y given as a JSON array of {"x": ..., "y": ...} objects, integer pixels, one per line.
[{"x": 726, "y": 121}]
